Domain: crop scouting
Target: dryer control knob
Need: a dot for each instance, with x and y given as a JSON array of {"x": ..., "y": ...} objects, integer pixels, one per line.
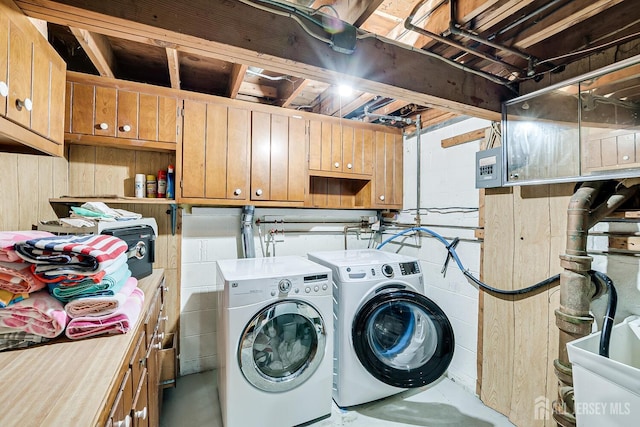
[
  {"x": 387, "y": 270},
  {"x": 284, "y": 286}
]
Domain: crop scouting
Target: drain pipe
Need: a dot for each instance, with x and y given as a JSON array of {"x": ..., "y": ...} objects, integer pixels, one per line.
[
  {"x": 577, "y": 290},
  {"x": 418, "y": 172}
]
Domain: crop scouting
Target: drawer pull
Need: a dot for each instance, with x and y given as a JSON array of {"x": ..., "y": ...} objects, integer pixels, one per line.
[
  {"x": 103, "y": 126},
  {"x": 126, "y": 128},
  {"x": 164, "y": 318},
  {"x": 336, "y": 164},
  {"x": 4, "y": 89},
  {"x": 382, "y": 198},
  {"x": 141, "y": 415},
  {"x": 123, "y": 423},
  {"x": 157, "y": 346},
  {"x": 349, "y": 166},
  {"x": 259, "y": 192},
  {"x": 27, "y": 104},
  {"x": 237, "y": 192}
]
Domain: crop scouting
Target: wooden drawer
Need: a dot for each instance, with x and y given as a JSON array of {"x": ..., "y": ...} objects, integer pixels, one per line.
[
  {"x": 140, "y": 411},
  {"x": 138, "y": 361},
  {"x": 151, "y": 321},
  {"x": 168, "y": 361}
]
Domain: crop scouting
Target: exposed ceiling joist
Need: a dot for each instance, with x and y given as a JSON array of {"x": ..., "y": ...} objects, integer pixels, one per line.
[
  {"x": 388, "y": 108},
  {"x": 174, "y": 67},
  {"x": 355, "y": 104},
  {"x": 235, "y": 79},
  {"x": 373, "y": 67},
  {"x": 288, "y": 91},
  {"x": 98, "y": 50}
]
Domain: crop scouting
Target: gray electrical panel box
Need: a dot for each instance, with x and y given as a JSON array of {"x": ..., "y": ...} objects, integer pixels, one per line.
[{"x": 489, "y": 168}]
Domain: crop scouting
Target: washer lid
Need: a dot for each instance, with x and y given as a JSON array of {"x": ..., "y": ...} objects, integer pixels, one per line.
[
  {"x": 403, "y": 338},
  {"x": 358, "y": 257},
  {"x": 252, "y": 268}
]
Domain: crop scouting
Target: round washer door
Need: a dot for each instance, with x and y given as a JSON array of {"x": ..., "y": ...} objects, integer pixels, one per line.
[
  {"x": 282, "y": 346},
  {"x": 403, "y": 338}
]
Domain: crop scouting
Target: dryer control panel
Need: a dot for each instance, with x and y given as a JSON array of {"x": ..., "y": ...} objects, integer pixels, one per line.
[{"x": 388, "y": 270}]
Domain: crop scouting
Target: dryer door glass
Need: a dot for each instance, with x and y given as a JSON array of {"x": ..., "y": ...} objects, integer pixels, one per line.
[
  {"x": 403, "y": 338},
  {"x": 282, "y": 346}
]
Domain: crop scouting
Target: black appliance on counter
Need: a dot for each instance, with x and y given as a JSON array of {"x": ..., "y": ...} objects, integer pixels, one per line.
[{"x": 141, "y": 242}]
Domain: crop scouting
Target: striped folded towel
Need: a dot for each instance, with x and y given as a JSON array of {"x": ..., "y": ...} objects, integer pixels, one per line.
[
  {"x": 17, "y": 277},
  {"x": 108, "y": 286},
  {"x": 82, "y": 254},
  {"x": 94, "y": 306},
  {"x": 40, "y": 314},
  {"x": 10, "y": 238},
  {"x": 119, "y": 322}
]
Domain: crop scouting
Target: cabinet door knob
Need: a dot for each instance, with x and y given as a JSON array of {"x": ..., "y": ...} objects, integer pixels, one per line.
[
  {"x": 123, "y": 423},
  {"x": 164, "y": 318},
  {"x": 382, "y": 197},
  {"x": 237, "y": 192},
  {"x": 26, "y": 104},
  {"x": 157, "y": 346},
  {"x": 336, "y": 164},
  {"x": 126, "y": 128},
  {"x": 142, "y": 415},
  {"x": 103, "y": 126},
  {"x": 160, "y": 336},
  {"x": 4, "y": 89},
  {"x": 349, "y": 166},
  {"x": 259, "y": 192}
]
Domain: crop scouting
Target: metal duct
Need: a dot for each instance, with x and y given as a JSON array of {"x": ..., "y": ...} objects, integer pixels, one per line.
[{"x": 246, "y": 229}]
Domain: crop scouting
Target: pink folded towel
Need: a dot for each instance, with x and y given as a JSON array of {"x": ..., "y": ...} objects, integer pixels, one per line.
[
  {"x": 10, "y": 238},
  {"x": 101, "y": 305},
  {"x": 40, "y": 314},
  {"x": 17, "y": 277},
  {"x": 119, "y": 322}
]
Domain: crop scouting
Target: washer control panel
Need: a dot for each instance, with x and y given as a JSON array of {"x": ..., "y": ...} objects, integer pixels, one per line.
[{"x": 389, "y": 270}]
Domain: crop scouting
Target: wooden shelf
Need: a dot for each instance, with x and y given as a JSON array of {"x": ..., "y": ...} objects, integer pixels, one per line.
[{"x": 114, "y": 200}]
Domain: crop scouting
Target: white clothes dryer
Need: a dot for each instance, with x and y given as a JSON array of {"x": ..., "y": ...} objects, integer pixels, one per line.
[
  {"x": 275, "y": 341},
  {"x": 389, "y": 336}
]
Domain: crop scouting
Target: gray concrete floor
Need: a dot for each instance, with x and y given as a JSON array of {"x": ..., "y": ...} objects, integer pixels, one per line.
[{"x": 194, "y": 403}]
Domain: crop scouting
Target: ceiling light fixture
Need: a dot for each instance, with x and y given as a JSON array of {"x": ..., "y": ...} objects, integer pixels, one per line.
[{"x": 345, "y": 90}]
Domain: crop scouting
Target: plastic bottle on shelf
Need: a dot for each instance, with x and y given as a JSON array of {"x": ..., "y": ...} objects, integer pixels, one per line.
[
  {"x": 139, "y": 185},
  {"x": 162, "y": 184},
  {"x": 170, "y": 183}
]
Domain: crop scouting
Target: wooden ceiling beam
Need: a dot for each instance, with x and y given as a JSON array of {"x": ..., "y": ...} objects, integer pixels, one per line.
[
  {"x": 235, "y": 79},
  {"x": 387, "y": 109},
  {"x": 174, "y": 67},
  {"x": 355, "y": 104},
  {"x": 354, "y": 13},
  {"x": 97, "y": 48},
  {"x": 288, "y": 49},
  {"x": 259, "y": 91},
  {"x": 289, "y": 91}
]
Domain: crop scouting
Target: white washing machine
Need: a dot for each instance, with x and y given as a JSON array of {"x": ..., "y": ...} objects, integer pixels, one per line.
[
  {"x": 389, "y": 337},
  {"x": 275, "y": 326}
]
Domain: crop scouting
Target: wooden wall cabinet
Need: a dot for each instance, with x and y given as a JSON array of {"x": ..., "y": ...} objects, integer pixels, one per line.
[
  {"x": 32, "y": 80},
  {"x": 387, "y": 183},
  {"x": 278, "y": 149},
  {"x": 338, "y": 149},
  {"x": 110, "y": 113},
  {"x": 215, "y": 154}
]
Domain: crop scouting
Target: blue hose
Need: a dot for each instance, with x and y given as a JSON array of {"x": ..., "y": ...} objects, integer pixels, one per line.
[{"x": 452, "y": 252}]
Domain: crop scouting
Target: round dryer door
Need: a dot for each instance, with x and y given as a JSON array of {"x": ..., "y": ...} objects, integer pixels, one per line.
[
  {"x": 282, "y": 346},
  {"x": 403, "y": 338}
]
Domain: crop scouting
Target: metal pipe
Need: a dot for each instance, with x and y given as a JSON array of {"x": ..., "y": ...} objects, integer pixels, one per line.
[
  {"x": 246, "y": 228},
  {"x": 576, "y": 287},
  {"x": 387, "y": 117},
  {"x": 418, "y": 171},
  {"x": 408, "y": 25}
]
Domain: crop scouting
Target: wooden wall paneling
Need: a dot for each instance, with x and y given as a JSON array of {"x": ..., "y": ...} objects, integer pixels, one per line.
[
  {"x": 147, "y": 162},
  {"x": 531, "y": 265},
  {"x": 216, "y": 153},
  {"x": 297, "y": 154},
  {"x": 334, "y": 191},
  {"x": 114, "y": 172},
  {"x": 559, "y": 196},
  {"x": 278, "y": 172},
  {"x": 82, "y": 164},
  {"x": 27, "y": 194},
  {"x": 4, "y": 50},
  {"x": 193, "y": 149},
  {"x": 497, "y": 329},
  {"x": 46, "y": 188},
  {"x": 318, "y": 191},
  {"x": 9, "y": 208},
  {"x": 347, "y": 196},
  {"x": 60, "y": 176}
]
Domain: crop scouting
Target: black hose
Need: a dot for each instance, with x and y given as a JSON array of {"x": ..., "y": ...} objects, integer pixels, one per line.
[
  {"x": 513, "y": 291},
  {"x": 612, "y": 303}
]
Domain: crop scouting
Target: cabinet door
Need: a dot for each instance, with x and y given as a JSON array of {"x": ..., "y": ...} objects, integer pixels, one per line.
[
  {"x": 20, "y": 56},
  {"x": 127, "y": 114},
  {"x": 4, "y": 62},
  {"x": 82, "y": 108},
  {"x": 336, "y": 148},
  {"x": 278, "y": 149},
  {"x": 238, "y": 154},
  {"x": 167, "y": 119},
  {"x": 348, "y": 149},
  {"x": 315, "y": 145},
  {"x": 58, "y": 100},
  {"x": 148, "y": 126},
  {"x": 105, "y": 112},
  {"x": 40, "y": 87},
  {"x": 193, "y": 149},
  {"x": 260, "y": 155},
  {"x": 388, "y": 170}
]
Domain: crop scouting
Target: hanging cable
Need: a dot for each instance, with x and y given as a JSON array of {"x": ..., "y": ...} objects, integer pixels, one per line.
[
  {"x": 612, "y": 303},
  {"x": 452, "y": 253}
]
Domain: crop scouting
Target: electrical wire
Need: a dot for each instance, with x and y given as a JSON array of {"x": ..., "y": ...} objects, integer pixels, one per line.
[
  {"x": 590, "y": 49},
  {"x": 452, "y": 253}
]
